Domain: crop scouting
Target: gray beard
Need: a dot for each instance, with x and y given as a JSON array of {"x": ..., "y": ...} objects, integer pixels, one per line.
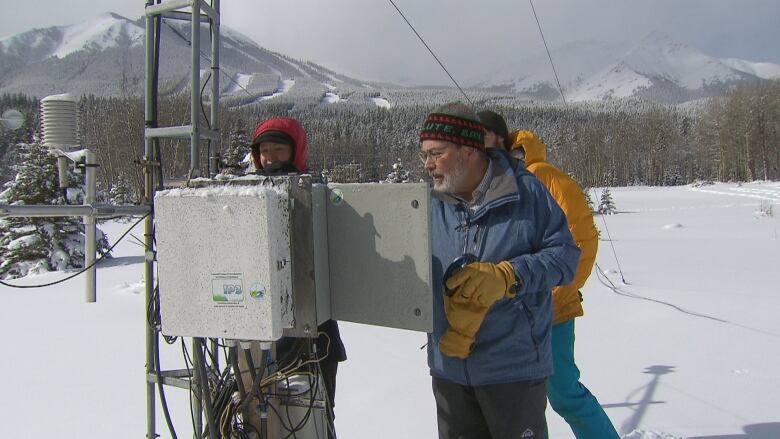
[{"x": 450, "y": 183}]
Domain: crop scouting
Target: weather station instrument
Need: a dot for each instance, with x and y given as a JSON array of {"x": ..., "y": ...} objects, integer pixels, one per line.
[{"x": 238, "y": 263}]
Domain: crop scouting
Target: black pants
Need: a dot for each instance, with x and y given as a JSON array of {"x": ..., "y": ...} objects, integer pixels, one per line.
[{"x": 498, "y": 411}]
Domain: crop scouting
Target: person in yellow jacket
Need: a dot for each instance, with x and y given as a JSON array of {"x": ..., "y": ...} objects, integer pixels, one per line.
[{"x": 568, "y": 397}]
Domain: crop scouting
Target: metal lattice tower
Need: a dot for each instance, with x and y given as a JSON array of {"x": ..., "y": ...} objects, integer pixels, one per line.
[{"x": 197, "y": 12}]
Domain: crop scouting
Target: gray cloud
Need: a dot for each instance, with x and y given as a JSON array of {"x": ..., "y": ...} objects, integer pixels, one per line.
[{"x": 368, "y": 39}]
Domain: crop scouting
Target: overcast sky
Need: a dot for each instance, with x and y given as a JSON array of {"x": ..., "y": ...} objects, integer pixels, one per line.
[{"x": 368, "y": 39}]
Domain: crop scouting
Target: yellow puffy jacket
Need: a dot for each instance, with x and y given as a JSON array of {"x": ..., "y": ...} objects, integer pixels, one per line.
[{"x": 571, "y": 198}]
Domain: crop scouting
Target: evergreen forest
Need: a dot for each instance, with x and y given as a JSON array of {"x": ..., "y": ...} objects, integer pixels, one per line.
[{"x": 625, "y": 142}]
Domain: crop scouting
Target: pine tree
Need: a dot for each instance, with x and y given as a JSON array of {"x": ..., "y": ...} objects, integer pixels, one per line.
[
  {"x": 399, "y": 174},
  {"x": 35, "y": 245},
  {"x": 237, "y": 151},
  {"x": 120, "y": 193},
  {"x": 586, "y": 192},
  {"x": 606, "y": 205}
]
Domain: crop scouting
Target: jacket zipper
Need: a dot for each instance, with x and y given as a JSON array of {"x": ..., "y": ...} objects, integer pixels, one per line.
[
  {"x": 531, "y": 322},
  {"x": 466, "y": 227},
  {"x": 476, "y": 246}
]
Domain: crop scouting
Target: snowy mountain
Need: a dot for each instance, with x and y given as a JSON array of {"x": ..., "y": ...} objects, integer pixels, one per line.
[
  {"x": 105, "y": 56},
  {"x": 763, "y": 70},
  {"x": 657, "y": 67},
  {"x": 533, "y": 76}
]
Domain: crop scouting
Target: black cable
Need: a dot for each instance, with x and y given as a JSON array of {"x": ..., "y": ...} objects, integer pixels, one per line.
[
  {"x": 202, "y": 89},
  {"x": 329, "y": 409},
  {"x": 204, "y": 382},
  {"x": 214, "y": 367},
  {"x": 315, "y": 382},
  {"x": 153, "y": 310},
  {"x": 256, "y": 389},
  {"x": 548, "y": 51},
  {"x": 612, "y": 244},
  {"x": 253, "y": 372},
  {"x": 160, "y": 386},
  {"x": 84, "y": 269},
  {"x": 295, "y": 429},
  {"x": 298, "y": 349},
  {"x": 154, "y": 121},
  {"x": 156, "y": 67},
  {"x": 138, "y": 241},
  {"x": 187, "y": 362},
  {"x": 223, "y": 397},
  {"x": 602, "y": 276},
  {"x": 281, "y": 419},
  {"x": 153, "y": 318},
  {"x": 233, "y": 362},
  {"x": 560, "y": 89},
  {"x": 431, "y": 51},
  {"x": 243, "y": 425},
  {"x": 206, "y": 118},
  {"x": 202, "y": 107},
  {"x": 189, "y": 43}
]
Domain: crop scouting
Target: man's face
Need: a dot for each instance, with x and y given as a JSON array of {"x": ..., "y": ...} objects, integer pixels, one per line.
[
  {"x": 445, "y": 163},
  {"x": 272, "y": 152}
]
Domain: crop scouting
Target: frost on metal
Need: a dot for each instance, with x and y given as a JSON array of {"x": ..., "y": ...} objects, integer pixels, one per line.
[{"x": 224, "y": 258}]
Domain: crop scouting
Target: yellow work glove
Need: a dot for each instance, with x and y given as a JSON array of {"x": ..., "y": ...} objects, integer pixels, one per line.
[
  {"x": 465, "y": 320},
  {"x": 483, "y": 283}
]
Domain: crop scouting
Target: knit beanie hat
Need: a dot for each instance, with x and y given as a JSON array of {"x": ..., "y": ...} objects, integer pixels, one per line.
[
  {"x": 454, "y": 122},
  {"x": 272, "y": 136},
  {"x": 494, "y": 122}
]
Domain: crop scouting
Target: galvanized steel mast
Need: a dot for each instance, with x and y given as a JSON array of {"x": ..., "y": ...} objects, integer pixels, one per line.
[{"x": 199, "y": 12}]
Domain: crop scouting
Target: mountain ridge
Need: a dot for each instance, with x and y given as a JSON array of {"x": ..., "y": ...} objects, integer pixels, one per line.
[
  {"x": 104, "y": 56},
  {"x": 657, "y": 67}
]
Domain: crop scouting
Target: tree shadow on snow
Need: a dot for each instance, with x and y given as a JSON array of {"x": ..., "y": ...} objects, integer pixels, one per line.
[
  {"x": 120, "y": 260},
  {"x": 769, "y": 430}
]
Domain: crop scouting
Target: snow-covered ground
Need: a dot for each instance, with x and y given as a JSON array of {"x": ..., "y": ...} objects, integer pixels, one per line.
[
  {"x": 687, "y": 348},
  {"x": 284, "y": 86},
  {"x": 239, "y": 83},
  {"x": 381, "y": 102},
  {"x": 331, "y": 97}
]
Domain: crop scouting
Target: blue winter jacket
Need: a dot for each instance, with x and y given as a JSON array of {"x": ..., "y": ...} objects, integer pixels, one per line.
[{"x": 519, "y": 222}]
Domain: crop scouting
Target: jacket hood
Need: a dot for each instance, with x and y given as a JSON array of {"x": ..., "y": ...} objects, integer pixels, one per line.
[
  {"x": 535, "y": 150},
  {"x": 290, "y": 127}
]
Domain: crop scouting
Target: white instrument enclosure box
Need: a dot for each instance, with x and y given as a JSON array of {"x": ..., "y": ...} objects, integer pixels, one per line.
[{"x": 224, "y": 262}]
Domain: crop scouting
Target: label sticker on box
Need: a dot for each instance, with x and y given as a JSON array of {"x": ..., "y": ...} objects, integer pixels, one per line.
[{"x": 227, "y": 288}]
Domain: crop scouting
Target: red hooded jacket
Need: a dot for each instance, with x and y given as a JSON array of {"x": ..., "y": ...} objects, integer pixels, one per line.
[{"x": 292, "y": 128}]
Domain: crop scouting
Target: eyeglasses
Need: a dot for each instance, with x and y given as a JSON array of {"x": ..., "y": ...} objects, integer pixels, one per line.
[{"x": 433, "y": 154}]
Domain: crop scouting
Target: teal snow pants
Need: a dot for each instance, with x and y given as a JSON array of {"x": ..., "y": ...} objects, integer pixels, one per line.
[{"x": 568, "y": 397}]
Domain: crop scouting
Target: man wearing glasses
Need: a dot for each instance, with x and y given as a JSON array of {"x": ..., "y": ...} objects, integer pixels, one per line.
[{"x": 500, "y": 243}]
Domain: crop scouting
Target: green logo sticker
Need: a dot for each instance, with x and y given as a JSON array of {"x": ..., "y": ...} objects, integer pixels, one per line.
[
  {"x": 257, "y": 291},
  {"x": 336, "y": 197},
  {"x": 227, "y": 288}
]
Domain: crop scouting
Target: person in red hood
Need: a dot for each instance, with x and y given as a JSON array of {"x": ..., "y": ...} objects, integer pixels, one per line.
[{"x": 279, "y": 147}]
